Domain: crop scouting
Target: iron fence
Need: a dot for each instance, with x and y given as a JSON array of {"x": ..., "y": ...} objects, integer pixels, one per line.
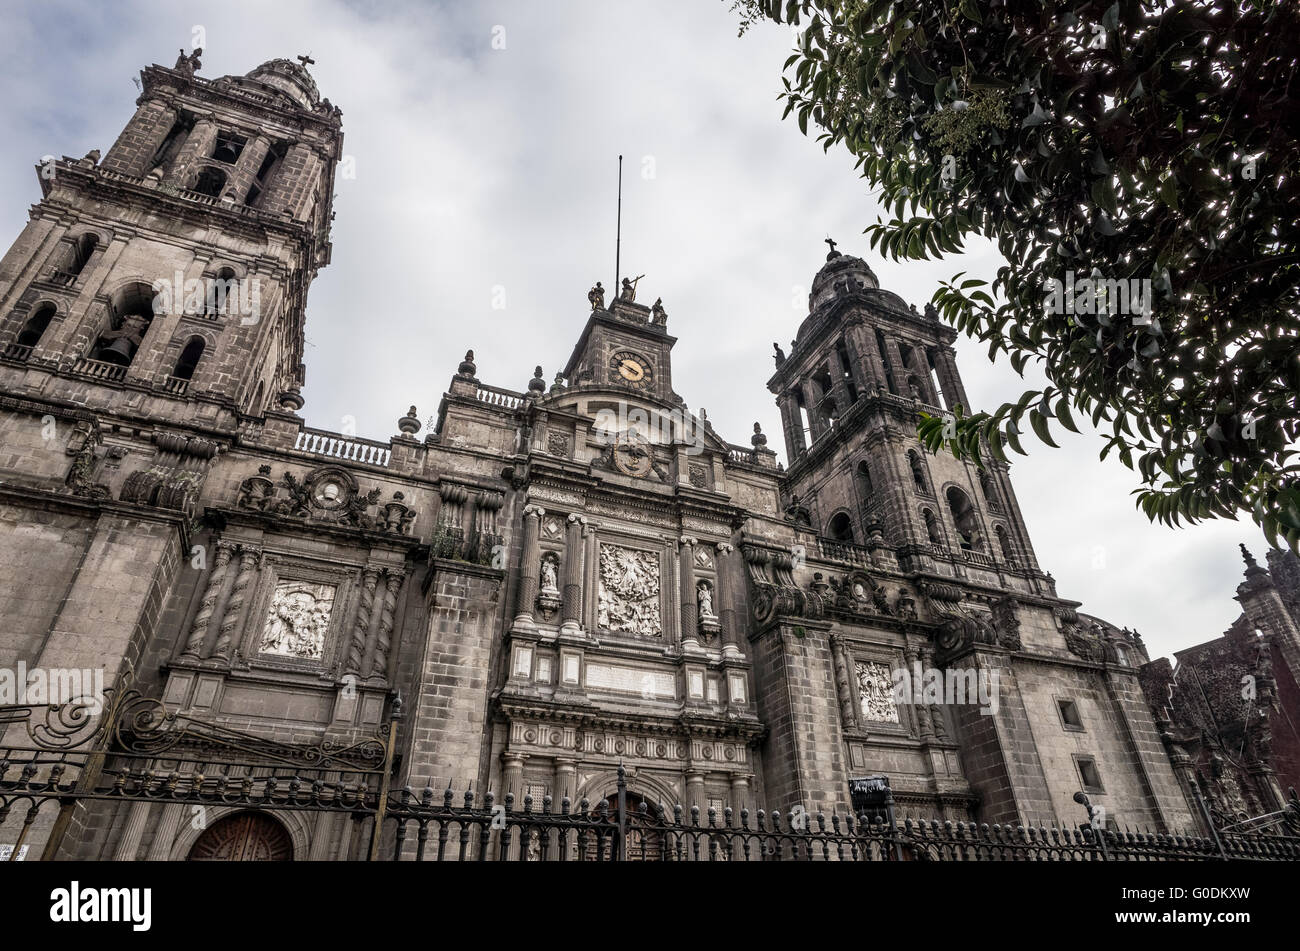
[{"x": 138, "y": 752}]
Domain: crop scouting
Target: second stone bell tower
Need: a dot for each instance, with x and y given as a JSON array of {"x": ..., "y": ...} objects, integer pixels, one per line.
[
  {"x": 861, "y": 366},
  {"x": 176, "y": 269}
]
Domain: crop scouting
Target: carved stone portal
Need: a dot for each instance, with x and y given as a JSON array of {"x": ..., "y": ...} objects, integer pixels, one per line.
[
  {"x": 298, "y": 620},
  {"x": 629, "y": 591},
  {"x": 876, "y": 692}
]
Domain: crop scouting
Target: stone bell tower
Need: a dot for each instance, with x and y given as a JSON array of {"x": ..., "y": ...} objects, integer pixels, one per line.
[
  {"x": 861, "y": 366},
  {"x": 170, "y": 278}
]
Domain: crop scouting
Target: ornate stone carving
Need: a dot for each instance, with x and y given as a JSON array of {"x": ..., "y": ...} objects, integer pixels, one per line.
[
  {"x": 1080, "y": 642},
  {"x": 1007, "y": 622},
  {"x": 557, "y": 444},
  {"x": 698, "y": 477},
  {"x": 875, "y": 692},
  {"x": 328, "y": 494},
  {"x": 298, "y": 620},
  {"x": 81, "y": 446},
  {"x": 629, "y": 591}
]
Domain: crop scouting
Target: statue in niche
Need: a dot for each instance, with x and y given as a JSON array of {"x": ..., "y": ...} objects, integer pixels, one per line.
[
  {"x": 548, "y": 599},
  {"x": 550, "y": 576},
  {"x": 704, "y": 596}
]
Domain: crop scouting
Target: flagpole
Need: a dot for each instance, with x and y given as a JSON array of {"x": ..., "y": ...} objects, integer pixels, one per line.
[{"x": 618, "y": 234}]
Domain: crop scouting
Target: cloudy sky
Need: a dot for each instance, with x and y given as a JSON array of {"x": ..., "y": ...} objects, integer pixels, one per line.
[{"x": 484, "y": 138}]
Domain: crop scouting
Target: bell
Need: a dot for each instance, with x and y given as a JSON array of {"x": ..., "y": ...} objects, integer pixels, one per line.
[{"x": 119, "y": 352}]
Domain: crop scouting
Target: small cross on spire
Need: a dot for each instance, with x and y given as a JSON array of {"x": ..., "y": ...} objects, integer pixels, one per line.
[{"x": 306, "y": 61}]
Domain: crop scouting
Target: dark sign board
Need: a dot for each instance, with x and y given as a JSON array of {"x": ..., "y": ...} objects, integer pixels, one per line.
[{"x": 870, "y": 793}]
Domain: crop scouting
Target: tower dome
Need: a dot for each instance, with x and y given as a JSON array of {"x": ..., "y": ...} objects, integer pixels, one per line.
[
  {"x": 290, "y": 78},
  {"x": 841, "y": 274}
]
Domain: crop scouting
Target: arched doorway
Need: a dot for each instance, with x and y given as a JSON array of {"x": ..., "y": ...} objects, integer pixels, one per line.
[{"x": 244, "y": 837}]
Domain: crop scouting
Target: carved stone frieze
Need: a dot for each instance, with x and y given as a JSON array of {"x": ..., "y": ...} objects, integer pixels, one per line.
[
  {"x": 875, "y": 692},
  {"x": 629, "y": 591},
  {"x": 298, "y": 620}
]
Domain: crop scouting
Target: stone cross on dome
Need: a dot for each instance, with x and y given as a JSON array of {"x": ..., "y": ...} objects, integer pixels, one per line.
[
  {"x": 305, "y": 60},
  {"x": 833, "y": 253}
]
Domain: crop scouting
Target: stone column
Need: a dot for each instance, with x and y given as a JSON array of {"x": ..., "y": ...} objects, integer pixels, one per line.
[
  {"x": 129, "y": 844},
  {"x": 530, "y": 569},
  {"x": 740, "y": 796},
  {"x": 248, "y": 558},
  {"x": 815, "y": 421},
  {"x": 839, "y": 388},
  {"x": 899, "y": 367},
  {"x": 571, "y": 608},
  {"x": 358, "y": 653},
  {"x": 690, "y": 609},
  {"x": 934, "y": 712},
  {"x": 512, "y": 777},
  {"x": 140, "y": 139},
  {"x": 566, "y": 782},
  {"x": 722, "y": 562},
  {"x": 244, "y": 173},
  {"x": 591, "y": 575},
  {"x": 198, "y": 146},
  {"x": 695, "y": 793},
  {"x": 322, "y": 837},
  {"x": 921, "y": 369},
  {"x": 924, "y": 721},
  {"x": 869, "y": 371},
  {"x": 844, "y": 680},
  {"x": 793, "y": 426},
  {"x": 199, "y": 630},
  {"x": 164, "y": 834},
  {"x": 945, "y": 365},
  {"x": 383, "y": 634}
]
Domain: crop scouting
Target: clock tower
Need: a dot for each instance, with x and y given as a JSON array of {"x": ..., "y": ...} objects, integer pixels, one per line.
[{"x": 625, "y": 346}]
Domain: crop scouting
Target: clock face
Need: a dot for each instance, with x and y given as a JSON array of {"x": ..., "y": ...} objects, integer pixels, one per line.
[{"x": 631, "y": 369}]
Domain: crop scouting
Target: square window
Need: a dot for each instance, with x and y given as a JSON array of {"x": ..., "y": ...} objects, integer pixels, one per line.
[
  {"x": 1070, "y": 718},
  {"x": 1088, "y": 774}
]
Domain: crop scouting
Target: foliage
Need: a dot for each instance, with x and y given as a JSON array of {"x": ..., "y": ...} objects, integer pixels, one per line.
[{"x": 1147, "y": 148}]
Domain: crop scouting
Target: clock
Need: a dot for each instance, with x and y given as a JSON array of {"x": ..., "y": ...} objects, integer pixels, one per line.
[{"x": 631, "y": 369}]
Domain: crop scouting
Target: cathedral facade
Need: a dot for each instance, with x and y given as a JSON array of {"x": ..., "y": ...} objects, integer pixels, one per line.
[{"x": 554, "y": 582}]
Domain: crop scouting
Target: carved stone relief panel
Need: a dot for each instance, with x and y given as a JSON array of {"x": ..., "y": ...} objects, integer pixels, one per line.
[
  {"x": 298, "y": 620},
  {"x": 876, "y": 692},
  {"x": 629, "y": 591}
]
